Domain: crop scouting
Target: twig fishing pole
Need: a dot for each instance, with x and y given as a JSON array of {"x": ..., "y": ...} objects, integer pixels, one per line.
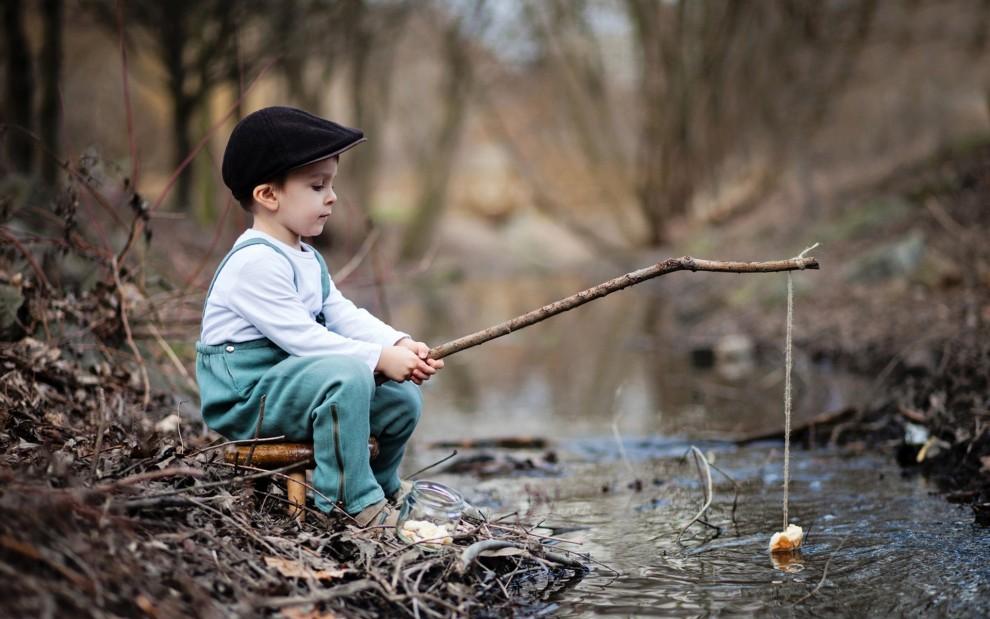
[
  {"x": 613, "y": 285},
  {"x": 671, "y": 265}
]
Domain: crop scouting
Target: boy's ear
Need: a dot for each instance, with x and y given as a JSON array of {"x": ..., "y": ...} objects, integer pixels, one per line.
[{"x": 264, "y": 195}]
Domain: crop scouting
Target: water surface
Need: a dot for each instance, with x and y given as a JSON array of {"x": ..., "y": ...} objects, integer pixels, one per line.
[{"x": 617, "y": 388}]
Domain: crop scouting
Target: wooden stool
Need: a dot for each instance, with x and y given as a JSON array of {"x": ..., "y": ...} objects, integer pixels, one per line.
[{"x": 277, "y": 455}]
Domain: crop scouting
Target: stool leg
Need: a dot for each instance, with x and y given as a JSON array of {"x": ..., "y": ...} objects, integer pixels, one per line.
[{"x": 296, "y": 489}]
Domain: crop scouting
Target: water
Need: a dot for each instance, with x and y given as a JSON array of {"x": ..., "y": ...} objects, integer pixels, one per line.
[
  {"x": 903, "y": 551},
  {"x": 617, "y": 388}
]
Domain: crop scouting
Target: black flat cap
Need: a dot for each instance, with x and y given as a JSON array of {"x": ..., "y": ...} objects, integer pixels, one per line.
[{"x": 274, "y": 140}]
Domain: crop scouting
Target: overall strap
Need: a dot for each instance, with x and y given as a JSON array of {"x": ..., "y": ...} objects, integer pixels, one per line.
[
  {"x": 324, "y": 272},
  {"x": 258, "y": 241}
]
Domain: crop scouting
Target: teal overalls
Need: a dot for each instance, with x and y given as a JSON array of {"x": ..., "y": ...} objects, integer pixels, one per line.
[{"x": 331, "y": 400}]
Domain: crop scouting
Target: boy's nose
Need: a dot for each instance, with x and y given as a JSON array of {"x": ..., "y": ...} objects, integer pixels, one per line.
[{"x": 331, "y": 197}]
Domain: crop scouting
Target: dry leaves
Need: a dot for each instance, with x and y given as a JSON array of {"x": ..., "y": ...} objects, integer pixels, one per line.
[{"x": 318, "y": 568}]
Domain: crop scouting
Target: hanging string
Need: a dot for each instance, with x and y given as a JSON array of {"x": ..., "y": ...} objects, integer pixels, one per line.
[{"x": 788, "y": 362}]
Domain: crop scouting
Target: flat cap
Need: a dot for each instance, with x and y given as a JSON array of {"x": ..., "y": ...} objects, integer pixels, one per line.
[{"x": 274, "y": 140}]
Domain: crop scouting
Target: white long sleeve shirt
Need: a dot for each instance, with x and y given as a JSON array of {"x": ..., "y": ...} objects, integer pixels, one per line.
[{"x": 254, "y": 297}]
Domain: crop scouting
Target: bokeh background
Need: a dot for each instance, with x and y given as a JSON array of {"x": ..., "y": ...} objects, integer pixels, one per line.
[{"x": 520, "y": 150}]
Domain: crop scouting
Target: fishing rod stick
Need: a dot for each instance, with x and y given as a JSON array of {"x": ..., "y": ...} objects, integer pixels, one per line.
[
  {"x": 685, "y": 263},
  {"x": 671, "y": 265}
]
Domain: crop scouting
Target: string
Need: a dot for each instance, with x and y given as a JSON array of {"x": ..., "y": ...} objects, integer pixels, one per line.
[{"x": 788, "y": 363}]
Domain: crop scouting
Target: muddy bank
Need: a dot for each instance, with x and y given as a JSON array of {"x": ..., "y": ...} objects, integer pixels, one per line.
[{"x": 108, "y": 508}]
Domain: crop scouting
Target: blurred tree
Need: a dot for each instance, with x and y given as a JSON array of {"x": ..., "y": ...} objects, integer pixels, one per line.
[
  {"x": 572, "y": 58},
  {"x": 50, "y": 118},
  {"x": 716, "y": 77},
  {"x": 19, "y": 99},
  {"x": 311, "y": 37},
  {"x": 436, "y": 161},
  {"x": 192, "y": 40},
  {"x": 370, "y": 37}
]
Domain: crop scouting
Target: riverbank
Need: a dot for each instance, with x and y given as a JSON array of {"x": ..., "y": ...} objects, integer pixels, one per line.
[
  {"x": 108, "y": 507},
  {"x": 115, "y": 500}
]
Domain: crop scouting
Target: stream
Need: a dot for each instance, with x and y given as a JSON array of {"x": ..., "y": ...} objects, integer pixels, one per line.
[{"x": 621, "y": 391}]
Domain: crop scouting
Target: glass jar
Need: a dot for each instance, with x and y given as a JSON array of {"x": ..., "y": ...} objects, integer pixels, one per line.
[{"x": 430, "y": 511}]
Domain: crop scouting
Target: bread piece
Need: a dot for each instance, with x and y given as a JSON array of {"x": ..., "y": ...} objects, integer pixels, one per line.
[
  {"x": 787, "y": 540},
  {"x": 419, "y": 530}
]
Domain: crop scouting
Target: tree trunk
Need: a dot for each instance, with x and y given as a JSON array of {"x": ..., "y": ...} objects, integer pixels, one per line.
[
  {"x": 20, "y": 87},
  {"x": 655, "y": 106},
  {"x": 172, "y": 39},
  {"x": 51, "y": 71},
  {"x": 435, "y": 169}
]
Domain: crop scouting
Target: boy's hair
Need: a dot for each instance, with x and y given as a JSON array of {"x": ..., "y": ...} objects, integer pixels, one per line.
[{"x": 247, "y": 202}]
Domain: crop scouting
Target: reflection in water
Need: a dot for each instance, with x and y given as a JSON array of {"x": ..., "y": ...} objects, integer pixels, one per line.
[{"x": 790, "y": 562}]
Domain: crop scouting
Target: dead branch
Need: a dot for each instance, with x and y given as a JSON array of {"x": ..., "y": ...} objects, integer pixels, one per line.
[{"x": 685, "y": 263}]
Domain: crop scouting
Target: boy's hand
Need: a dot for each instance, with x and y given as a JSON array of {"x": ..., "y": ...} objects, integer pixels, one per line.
[
  {"x": 400, "y": 364},
  {"x": 422, "y": 350}
]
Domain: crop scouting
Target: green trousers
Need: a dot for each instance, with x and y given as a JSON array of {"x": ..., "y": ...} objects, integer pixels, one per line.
[{"x": 331, "y": 400}]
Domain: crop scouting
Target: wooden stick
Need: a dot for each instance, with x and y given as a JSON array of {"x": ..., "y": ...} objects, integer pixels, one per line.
[
  {"x": 295, "y": 487},
  {"x": 685, "y": 263}
]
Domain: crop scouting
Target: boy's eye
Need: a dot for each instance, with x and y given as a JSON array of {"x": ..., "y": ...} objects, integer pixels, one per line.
[{"x": 318, "y": 187}]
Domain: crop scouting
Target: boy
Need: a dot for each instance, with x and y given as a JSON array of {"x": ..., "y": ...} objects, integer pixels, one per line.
[{"x": 275, "y": 325}]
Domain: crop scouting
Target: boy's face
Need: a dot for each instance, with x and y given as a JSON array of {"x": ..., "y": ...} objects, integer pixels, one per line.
[{"x": 306, "y": 198}]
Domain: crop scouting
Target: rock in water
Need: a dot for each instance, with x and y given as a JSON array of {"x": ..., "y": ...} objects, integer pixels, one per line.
[{"x": 787, "y": 540}]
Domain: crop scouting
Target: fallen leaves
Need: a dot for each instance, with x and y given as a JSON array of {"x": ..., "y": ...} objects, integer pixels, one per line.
[{"x": 315, "y": 568}]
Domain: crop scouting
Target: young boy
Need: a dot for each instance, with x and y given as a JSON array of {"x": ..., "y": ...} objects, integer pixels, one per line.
[{"x": 274, "y": 324}]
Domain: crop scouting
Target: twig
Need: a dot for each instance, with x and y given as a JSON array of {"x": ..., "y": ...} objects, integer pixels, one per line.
[
  {"x": 536, "y": 535},
  {"x": 345, "y": 271},
  {"x": 699, "y": 458},
  {"x": 257, "y": 428},
  {"x": 148, "y": 476},
  {"x": 345, "y": 589},
  {"x": 213, "y": 245},
  {"x": 242, "y": 441},
  {"x": 92, "y": 191},
  {"x": 824, "y": 571},
  {"x": 40, "y": 274},
  {"x": 146, "y": 399},
  {"x": 170, "y": 353},
  {"x": 27, "y": 550},
  {"x": 430, "y": 466},
  {"x": 214, "y": 484},
  {"x": 128, "y": 112},
  {"x": 472, "y": 552},
  {"x": 280, "y": 472},
  {"x": 735, "y": 497},
  {"x": 685, "y": 263},
  {"x": 100, "y": 428}
]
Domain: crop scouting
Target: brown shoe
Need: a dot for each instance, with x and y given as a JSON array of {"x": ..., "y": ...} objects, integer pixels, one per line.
[
  {"x": 382, "y": 515},
  {"x": 404, "y": 487}
]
